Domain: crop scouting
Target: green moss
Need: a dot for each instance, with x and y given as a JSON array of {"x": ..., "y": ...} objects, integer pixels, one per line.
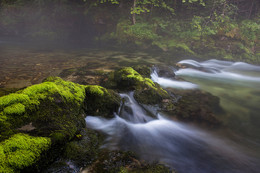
[
  {"x": 21, "y": 151},
  {"x": 143, "y": 70},
  {"x": 130, "y": 73},
  {"x": 128, "y": 77},
  {"x": 70, "y": 91},
  {"x": 42, "y": 101},
  {"x": 146, "y": 91},
  {"x": 85, "y": 150},
  {"x": 17, "y": 109},
  {"x": 58, "y": 137},
  {"x": 100, "y": 101},
  {"x": 96, "y": 90},
  {"x": 12, "y": 99}
]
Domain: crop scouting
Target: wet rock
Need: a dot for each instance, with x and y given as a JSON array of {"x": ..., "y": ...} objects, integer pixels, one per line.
[
  {"x": 84, "y": 75},
  {"x": 195, "y": 106},
  {"x": 143, "y": 70},
  {"x": 146, "y": 91},
  {"x": 101, "y": 101},
  {"x": 120, "y": 161},
  {"x": 164, "y": 71},
  {"x": 79, "y": 153}
]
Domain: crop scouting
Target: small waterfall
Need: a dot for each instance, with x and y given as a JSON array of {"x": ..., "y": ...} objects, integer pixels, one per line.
[
  {"x": 164, "y": 82},
  {"x": 131, "y": 111},
  {"x": 182, "y": 147}
]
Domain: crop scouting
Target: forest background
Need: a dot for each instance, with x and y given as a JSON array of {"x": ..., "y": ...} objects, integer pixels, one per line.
[{"x": 221, "y": 29}]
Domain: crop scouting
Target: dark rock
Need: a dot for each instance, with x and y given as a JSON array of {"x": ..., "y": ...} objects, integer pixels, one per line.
[
  {"x": 101, "y": 101},
  {"x": 143, "y": 70},
  {"x": 195, "y": 106},
  {"x": 164, "y": 71},
  {"x": 120, "y": 161}
]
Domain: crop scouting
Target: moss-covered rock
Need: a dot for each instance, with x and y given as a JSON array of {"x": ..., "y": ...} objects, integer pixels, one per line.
[
  {"x": 128, "y": 78},
  {"x": 143, "y": 70},
  {"x": 101, "y": 101},
  {"x": 146, "y": 91},
  {"x": 84, "y": 151},
  {"x": 21, "y": 151},
  {"x": 52, "y": 109}
]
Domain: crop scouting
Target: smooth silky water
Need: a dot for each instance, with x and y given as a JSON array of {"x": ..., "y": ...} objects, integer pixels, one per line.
[{"x": 184, "y": 147}]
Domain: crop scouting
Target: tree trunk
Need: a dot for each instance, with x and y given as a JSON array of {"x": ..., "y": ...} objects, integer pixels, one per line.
[{"x": 133, "y": 15}]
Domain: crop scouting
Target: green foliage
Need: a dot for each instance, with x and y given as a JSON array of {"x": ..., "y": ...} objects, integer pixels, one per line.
[
  {"x": 144, "y": 6},
  {"x": 250, "y": 31},
  {"x": 138, "y": 32},
  {"x": 173, "y": 45},
  {"x": 201, "y": 2},
  {"x": 21, "y": 151}
]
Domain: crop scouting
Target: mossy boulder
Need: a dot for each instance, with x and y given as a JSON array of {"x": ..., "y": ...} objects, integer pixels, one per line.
[
  {"x": 21, "y": 151},
  {"x": 83, "y": 151},
  {"x": 128, "y": 78},
  {"x": 143, "y": 70},
  {"x": 101, "y": 101},
  {"x": 146, "y": 91},
  {"x": 52, "y": 109},
  {"x": 79, "y": 153}
]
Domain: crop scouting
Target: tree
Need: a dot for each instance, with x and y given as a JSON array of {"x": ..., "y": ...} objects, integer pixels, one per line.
[{"x": 138, "y": 7}]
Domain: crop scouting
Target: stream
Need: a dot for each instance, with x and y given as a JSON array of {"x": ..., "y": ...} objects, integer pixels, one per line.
[
  {"x": 186, "y": 147},
  {"x": 181, "y": 146}
]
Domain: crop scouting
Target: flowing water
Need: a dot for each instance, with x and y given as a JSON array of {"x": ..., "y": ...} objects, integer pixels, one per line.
[{"x": 184, "y": 147}]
